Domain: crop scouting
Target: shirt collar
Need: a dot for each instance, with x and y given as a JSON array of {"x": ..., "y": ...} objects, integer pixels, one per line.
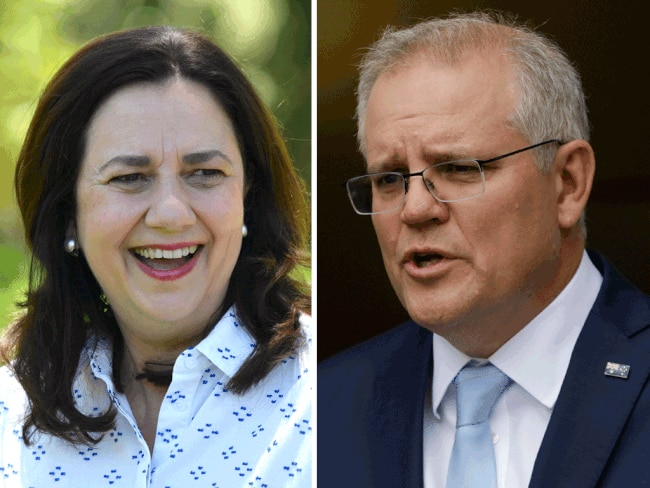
[
  {"x": 447, "y": 362},
  {"x": 525, "y": 358},
  {"x": 228, "y": 345}
]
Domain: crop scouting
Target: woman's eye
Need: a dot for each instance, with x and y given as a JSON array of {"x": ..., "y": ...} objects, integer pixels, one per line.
[
  {"x": 130, "y": 180},
  {"x": 208, "y": 172},
  {"x": 206, "y": 176}
]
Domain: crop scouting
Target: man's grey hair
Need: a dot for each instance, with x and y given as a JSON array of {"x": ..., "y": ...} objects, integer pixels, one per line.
[{"x": 551, "y": 101}]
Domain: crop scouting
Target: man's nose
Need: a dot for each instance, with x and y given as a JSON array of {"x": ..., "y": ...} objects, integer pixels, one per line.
[{"x": 420, "y": 205}]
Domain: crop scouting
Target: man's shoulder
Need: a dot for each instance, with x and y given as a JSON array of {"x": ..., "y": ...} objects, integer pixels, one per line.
[
  {"x": 398, "y": 341},
  {"x": 620, "y": 303},
  {"x": 370, "y": 406},
  {"x": 609, "y": 440},
  {"x": 402, "y": 354}
]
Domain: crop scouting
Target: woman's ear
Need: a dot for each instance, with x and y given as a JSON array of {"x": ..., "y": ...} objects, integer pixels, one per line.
[{"x": 574, "y": 165}]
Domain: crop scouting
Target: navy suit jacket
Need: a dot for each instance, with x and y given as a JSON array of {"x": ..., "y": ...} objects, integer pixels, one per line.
[{"x": 371, "y": 402}]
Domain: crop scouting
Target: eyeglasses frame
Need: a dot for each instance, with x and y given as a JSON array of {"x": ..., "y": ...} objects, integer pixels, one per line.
[{"x": 406, "y": 176}]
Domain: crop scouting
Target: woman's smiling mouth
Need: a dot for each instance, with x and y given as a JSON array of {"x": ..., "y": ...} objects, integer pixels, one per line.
[{"x": 167, "y": 264}]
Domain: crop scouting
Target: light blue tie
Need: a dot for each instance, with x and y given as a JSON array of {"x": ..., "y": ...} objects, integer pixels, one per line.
[{"x": 472, "y": 463}]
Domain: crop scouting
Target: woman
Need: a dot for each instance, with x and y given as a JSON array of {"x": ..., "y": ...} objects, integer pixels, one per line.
[{"x": 164, "y": 340}]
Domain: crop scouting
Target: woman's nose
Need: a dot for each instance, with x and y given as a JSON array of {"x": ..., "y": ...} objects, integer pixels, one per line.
[{"x": 171, "y": 207}]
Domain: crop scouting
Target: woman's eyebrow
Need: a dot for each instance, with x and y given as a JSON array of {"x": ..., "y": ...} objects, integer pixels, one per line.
[
  {"x": 143, "y": 161},
  {"x": 204, "y": 156},
  {"x": 126, "y": 160}
]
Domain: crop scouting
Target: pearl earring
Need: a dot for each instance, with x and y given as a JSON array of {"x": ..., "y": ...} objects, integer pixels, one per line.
[
  {"x": 244, "y": 230},
  {"x": 71, "y": 247}
]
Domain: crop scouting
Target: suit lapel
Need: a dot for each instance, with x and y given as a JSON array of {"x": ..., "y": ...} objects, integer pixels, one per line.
[
  {"x": 592, "y": 408},
  {"x": 396, "y": 436}
]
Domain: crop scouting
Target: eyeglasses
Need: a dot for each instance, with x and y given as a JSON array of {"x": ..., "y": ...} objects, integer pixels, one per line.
[{"x": 451, "y": 181}]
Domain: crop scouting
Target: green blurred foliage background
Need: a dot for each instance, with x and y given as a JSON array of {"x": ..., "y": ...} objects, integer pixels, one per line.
[{"x": 270, "y": 39}]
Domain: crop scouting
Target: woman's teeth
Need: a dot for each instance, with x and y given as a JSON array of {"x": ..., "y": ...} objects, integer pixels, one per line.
[{"x": 155, "y": 253}]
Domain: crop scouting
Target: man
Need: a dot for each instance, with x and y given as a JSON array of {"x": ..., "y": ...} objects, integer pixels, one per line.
[{"x": 475, "y": 135}]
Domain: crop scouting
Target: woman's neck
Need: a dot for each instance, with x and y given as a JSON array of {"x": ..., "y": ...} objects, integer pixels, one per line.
[{"x": 145, "y": 384}]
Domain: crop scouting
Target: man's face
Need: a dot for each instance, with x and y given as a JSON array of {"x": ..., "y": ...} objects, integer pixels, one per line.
[{"x": 477, "y": 268}]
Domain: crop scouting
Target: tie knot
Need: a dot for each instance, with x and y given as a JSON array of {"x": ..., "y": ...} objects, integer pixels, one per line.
[{"x": 477, "y": 390}]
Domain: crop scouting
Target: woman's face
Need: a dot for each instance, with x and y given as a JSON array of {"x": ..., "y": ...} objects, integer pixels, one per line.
[{"x": 160, "y": 208}]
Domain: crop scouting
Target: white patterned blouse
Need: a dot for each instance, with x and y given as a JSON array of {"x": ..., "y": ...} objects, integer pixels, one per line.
[{"x": 206, "y": 437}]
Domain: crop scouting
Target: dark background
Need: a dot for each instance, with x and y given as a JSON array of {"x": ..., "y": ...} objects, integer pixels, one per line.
[{"x": 605, "y": 39}]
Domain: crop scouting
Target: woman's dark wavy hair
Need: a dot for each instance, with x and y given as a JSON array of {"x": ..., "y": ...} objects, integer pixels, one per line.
[{"x": 63, "y": 306}]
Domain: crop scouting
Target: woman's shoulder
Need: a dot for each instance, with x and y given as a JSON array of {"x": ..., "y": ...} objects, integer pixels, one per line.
[
  {"x": 301, "y": 362},
  {"x": 9, "y": 384},
  {"x": 307, "y": 326},
  {"x": 306, "y": 320},
  {"x": 13, "y": 400},
  {"x": 306, "y": 350}
]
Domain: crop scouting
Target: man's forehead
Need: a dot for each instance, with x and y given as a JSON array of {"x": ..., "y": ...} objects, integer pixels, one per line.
[
  {"x": 487, "y": 55},
  {"x": 452, "y": 100}
]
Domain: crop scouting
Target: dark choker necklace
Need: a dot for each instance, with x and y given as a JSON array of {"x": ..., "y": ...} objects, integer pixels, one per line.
[{"x": 159, "y": 374}]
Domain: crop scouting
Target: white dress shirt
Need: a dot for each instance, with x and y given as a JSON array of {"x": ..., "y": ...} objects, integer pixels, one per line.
[
  {"x": 206, "y": 437},
  {"x": 536, "y": 359}
]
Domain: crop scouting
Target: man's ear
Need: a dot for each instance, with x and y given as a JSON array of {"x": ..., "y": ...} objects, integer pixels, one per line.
[{"x": 574, "y": 166}]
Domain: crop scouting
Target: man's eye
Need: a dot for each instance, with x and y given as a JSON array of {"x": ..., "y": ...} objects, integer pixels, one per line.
[
  {"x": 387, "y": 179},
  {"x": 460, "y": 168}
]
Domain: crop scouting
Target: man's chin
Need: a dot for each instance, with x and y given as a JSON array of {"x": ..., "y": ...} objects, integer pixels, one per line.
[{"x": 437, "y": 320}]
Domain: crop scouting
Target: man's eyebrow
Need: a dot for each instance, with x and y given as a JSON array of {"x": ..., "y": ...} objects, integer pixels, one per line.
[
  {"x": 387, "y": 162},
  {"x": 443, "y": 157},
  {"x": 380, "y": 167},
  {"x": 204, "y": 156},
  {"x": 397, "y": 165},
  {"x": 432, "y": 157}
]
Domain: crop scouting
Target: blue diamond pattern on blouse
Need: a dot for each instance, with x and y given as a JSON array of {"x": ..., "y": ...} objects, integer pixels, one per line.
[{"x": 206, "y": 437}]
